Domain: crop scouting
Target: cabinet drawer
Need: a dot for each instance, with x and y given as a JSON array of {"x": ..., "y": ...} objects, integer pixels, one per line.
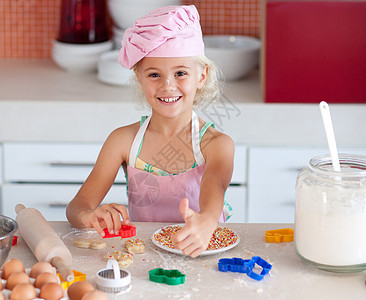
[
  {"x": 278, "y": 166},
  {"x": 271, "y": 204},
  {"x": 51, "y": 162},
  {"x": 1, "y": 165},
  {"x": 236, "y": 197},
  {"x": 240, "y": 165},
  {"x": 73, "y": 162},
  {"x": 272, "y": 180},
  {"x": 50, "y": 199}
]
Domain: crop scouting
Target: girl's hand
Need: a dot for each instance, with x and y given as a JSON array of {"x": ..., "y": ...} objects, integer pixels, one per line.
[
  {"x": 195, "y": 236},
  {"x": 106, "y": 216}
]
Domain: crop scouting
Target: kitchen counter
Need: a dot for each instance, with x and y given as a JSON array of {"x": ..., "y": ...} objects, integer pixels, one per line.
[
  {"x": 41, "y": 102},
  {"x": 290, "y": 278},
  {"x": 43, "y": 80}
]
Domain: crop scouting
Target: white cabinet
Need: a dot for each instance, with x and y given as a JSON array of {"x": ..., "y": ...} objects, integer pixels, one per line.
[
  {"x": 236, "y": 192},
  {"x": 50, "y": 199},
  {"x": 47, "y": 176},
  {"x": 1, "y": 172},
  {"x": 240, "y": 165},
  {"x": 50, "y": 162},
  {"x": 236, "y": 197},
  {"x": 272, "y": 179},
  {"x": 1, "y": 165}
]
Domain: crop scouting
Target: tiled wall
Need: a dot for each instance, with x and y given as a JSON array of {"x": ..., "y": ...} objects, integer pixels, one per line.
[
  {"x": 27, "y": 27},
  {"x": 228, "y": 16}
]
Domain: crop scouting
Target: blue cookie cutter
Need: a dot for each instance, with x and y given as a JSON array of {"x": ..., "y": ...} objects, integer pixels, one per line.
[{"x": 246, "y": 266}]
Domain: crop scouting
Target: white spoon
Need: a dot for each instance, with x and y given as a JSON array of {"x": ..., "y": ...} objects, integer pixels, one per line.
[{"x": 328, "y": 126}]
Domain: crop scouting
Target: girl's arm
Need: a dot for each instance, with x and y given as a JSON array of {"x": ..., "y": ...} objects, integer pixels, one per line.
[
  {"x": 195, "y": 236},
  {"x": 84, "y": 210}
]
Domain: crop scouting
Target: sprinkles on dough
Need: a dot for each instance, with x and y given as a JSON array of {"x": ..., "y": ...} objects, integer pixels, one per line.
[
  {"x": 135, "y": 245},
  {"x": 118, "y": 255},
  {"x": 221, "y": 238},
  {"x": 135, "y": 242}
]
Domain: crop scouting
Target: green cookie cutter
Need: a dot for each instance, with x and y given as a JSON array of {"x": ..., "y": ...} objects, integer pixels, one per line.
[{"x": 171, "y": 277}]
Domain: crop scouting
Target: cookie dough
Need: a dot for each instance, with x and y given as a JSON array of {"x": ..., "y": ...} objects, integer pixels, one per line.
[
  {"x": 135, "y": 246},
  {"x": 90, "y": 243},
  {"x": 123, "y": 259}
]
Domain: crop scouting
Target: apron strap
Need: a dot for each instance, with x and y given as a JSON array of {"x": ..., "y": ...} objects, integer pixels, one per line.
[
  {"x": 137, "y": 143},
  {"x": 195, "y": 141},
  {"x": 204, "y": 129}
]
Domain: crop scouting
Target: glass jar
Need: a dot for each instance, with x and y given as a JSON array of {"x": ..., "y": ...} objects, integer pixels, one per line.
[
  {"x": 83, "y": 22},
  {"x": 330, "y": 215}
]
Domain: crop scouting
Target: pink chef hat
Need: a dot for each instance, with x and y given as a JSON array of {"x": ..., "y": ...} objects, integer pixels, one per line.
[{"x": 171, "y": 31}]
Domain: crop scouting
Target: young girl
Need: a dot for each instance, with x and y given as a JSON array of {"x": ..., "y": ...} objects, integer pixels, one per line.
[{"x": 178, "y": 167}]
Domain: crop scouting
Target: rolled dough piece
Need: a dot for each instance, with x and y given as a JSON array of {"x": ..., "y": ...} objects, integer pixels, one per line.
[
  {"x": 123, "y": 259},
  {"x": 90, "y": 243},
  {"x": 135, "y": 246}
]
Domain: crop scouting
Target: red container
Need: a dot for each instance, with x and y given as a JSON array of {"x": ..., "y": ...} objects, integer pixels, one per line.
[
  {"x": 315, "y": 50},
  {"x": 83, "y": 22}
]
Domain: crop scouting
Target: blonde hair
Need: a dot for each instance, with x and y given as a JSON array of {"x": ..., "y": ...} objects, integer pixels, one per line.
[
  {"x": 210, "y": 92},
  {"x": 213, "y": 87}
]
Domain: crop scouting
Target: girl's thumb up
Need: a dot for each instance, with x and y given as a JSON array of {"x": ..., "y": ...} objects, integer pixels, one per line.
[{"x": 185, "y": 210}]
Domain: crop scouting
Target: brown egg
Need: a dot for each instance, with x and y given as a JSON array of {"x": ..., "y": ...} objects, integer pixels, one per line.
[
  {"x": 94, "y": 295},
  {"x": 1, "y": 285},
  {"x": 12, "y": 266},
  {"x": 23, "y": 291},
  {"x": 41, "y": 267},
  {"x": 16, "y": 278},
  {"x": 51, "y": 291},
  {"x": 78, "y": 289},
  {"x": 44, "y": 278}
]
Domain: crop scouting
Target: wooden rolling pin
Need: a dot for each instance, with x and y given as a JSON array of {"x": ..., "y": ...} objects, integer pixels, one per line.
[{"x": 43, "y": 241}]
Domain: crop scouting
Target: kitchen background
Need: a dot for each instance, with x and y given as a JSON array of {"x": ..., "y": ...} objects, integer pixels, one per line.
[
  {"x": 53, "y": 123},
  {"x": 28, "y": 27}
]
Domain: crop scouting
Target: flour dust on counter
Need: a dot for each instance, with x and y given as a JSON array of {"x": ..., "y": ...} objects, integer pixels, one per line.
[{"x": 286, "y": 280}]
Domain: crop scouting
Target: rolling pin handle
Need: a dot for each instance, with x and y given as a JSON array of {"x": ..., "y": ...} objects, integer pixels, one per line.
[
  {"x": 19, "y": 207},
  {"x": 64, "y": 270}
]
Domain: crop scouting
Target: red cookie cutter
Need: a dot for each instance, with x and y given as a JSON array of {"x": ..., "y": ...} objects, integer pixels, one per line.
[
  {"x": 279, "y": 235},
  {"x": 126, "y": 231}
]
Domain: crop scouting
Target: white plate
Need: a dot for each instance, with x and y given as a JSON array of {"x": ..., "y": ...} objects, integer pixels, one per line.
[{"x": 207, "y": 252}]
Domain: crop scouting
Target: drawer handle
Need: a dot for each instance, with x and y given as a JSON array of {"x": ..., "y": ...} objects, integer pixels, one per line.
[
  {"x": 57, "y": 205},
  {"x": 70, "y": 164}
]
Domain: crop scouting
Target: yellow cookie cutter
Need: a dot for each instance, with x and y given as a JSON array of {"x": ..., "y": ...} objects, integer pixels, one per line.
[
  {"x": 279, "y": 235},
  {"x": 78, "y": 276}
]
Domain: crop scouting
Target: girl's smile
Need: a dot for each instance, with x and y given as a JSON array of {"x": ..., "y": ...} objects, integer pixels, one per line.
[{"x": 170, "y": 99}]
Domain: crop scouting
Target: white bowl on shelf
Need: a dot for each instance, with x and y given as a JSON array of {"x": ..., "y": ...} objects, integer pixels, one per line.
[
  {"x": 125, "y": 12},
  {"x": 78, "y": 58},
  {"x": 236, "y": 55},
  {"x": 111, "y": 72},
  {"x": 117, "y": 37}
]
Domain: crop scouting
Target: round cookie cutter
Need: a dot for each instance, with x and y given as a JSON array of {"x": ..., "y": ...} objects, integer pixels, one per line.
[{"x": 112, "y": 279}]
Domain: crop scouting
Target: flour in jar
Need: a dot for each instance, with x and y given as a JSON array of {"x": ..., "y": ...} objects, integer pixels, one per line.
[{"x": 330, "y": 225}]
